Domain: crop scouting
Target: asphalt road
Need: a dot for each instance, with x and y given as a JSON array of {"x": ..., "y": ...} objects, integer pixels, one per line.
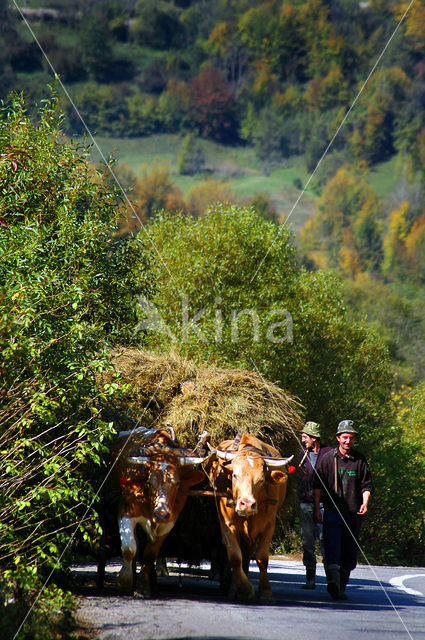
[{"x": 384, "y": 602}]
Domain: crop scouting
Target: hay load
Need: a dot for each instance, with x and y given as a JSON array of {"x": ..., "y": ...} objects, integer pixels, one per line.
[{"x": 169, "y": 389}]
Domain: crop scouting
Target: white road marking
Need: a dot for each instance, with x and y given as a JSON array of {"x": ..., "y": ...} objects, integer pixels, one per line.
[{"x": 398, "y": 583}]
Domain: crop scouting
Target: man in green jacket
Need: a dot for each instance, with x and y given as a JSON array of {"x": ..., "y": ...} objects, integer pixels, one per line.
[{"x": 343, "y": 483}]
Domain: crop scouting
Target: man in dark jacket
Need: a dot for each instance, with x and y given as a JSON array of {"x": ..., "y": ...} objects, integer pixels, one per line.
[
  {"x": 310, "y": 530},
  {"x": 344, "y": 483}
]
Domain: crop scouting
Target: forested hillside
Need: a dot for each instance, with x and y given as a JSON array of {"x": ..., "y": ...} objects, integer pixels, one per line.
[{"x": 276, "y": 74}]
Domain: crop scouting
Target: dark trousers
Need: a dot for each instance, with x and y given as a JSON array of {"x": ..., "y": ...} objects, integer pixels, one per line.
[
  {"x": 310, "y": 532},
  {"x": 340, "y": 537}
]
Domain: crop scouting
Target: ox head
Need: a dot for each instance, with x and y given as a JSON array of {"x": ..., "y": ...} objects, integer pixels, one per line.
[
  {"x": 250, "y": 473},
  {"x": 162, "y": 476}
]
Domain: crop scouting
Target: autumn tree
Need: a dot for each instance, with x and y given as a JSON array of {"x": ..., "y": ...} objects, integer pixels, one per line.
[
  {"x": 414, "y": 23},
  {"x": 328, "y": 91},
  {"x": 346, "y": 233},
  {"x": 212, "y": 105},
  {"x": 394, "y": 240},
  {"x": 229, "y": 51},
  {"x": 201, "y": 197},
  {"x": 155, "y": 190},
  {"x": 373, "y": 130}
]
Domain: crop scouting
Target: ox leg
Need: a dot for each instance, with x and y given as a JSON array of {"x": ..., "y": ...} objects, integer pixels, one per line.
[
  {"x": 148, "y": 569},
  {"x": 129, "y": 549},
  {"x": 244, "y": 588},
  {"x": 262, "y": 558},
  {"x": 100, "y": 574}
]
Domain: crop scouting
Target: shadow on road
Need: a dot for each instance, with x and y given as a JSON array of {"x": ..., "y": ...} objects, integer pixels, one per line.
[{"x": 192, "y": 584}]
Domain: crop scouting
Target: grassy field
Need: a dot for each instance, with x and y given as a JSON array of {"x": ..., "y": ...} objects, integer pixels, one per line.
[
  {"x": 383, "y": 177},
  {"x": 237, "y": 166}
]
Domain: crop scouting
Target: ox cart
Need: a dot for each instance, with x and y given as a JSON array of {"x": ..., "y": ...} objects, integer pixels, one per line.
[{"x": 165, "y": 501}]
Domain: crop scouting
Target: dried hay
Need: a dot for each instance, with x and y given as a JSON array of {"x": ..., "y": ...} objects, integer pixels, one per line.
[{"x": 222, "y": 401}]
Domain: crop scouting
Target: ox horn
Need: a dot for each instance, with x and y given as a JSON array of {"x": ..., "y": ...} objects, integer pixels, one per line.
[
  {"x": 186, "y": 460},
  {"x": 138, "y": 459},
  {"x": 223, "y": 455},
  {"x": 202, "y": 437},
  {"x": 277, "y": 462},
  {"x": 172, "y": 433}
]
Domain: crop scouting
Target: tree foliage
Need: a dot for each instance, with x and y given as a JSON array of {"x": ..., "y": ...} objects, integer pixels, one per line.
[
  {"x": 210, "y": 70},
  {"x": 346, "y": 233},
  {"x": 67, "y": 290},
  {"x": 312, "y": 350},
  {"x": 212, "y": 105}
]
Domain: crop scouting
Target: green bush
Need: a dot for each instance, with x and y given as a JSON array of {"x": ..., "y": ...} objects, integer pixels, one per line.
[
  {"x": 67, "y": 292},
  {"x": 191, "y": 157},
  {"x": 334, "y": 365},
  {"x": 104, "y": 110},
  {"x": 157, "y": 26},
  {"x": 23, "y": 614}
]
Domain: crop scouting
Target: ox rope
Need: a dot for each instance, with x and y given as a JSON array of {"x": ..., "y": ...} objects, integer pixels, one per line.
[
  {"x": 229, "y": 501},
  {"x": 237, "y": 440},
  {"x": 336, "y": 471}
]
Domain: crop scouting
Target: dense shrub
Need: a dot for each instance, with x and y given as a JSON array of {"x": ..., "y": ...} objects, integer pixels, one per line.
[
  {"x": 102, "y": 109},
  {"x": 66, "y": 292},
  {"x": 173, "y": 106},
  {"x": 67, "y": 63},
  {"x": 154, "y": 76},
  {"x": 157, "y": 25}
]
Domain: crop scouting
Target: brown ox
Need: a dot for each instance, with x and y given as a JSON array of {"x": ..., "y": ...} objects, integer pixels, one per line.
[
  {"x": 253, "y": 477},
  {"x": 154, "y": 474}
]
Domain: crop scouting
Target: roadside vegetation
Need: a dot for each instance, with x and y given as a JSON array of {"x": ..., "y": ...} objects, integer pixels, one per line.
[{"x": 67, "y": 293}]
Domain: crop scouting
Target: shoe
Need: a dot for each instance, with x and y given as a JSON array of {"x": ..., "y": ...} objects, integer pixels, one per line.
[
  {"x": 344, "y": 577},
  {"x": 310, "y": 580},
  {"x": 334, "y": 581}
]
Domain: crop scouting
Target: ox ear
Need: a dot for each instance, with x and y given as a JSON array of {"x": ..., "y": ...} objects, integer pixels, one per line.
[
  {"x": 227, "y": 466},
  {"x": 278, "y": 477},
  {"x": 190, "y": 477}
]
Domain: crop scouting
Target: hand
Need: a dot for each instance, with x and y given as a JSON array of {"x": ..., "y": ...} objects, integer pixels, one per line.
[
  {"x": 362, "y": 510},
  {"x": 318, "y": 515}
]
